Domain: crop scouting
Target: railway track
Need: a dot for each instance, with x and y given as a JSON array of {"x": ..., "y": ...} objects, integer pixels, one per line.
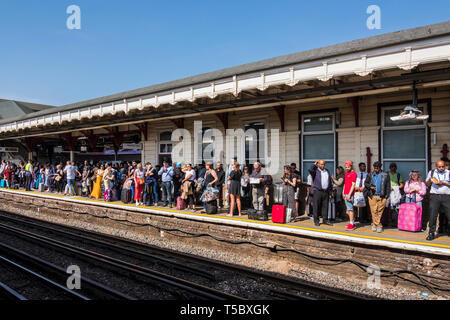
[
  {"x": 95, "y": 257},
  {"x": 294, "y": 289},
  {"x": 10, "y": 294}
]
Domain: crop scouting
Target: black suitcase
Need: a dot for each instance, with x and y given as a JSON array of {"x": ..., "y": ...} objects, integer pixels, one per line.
[
  {"x": 260, "y": 215},
  {"x": 125, "y": 196},
  {"x": 251, "y": 213},
  {"x": 211, "y": 207}
]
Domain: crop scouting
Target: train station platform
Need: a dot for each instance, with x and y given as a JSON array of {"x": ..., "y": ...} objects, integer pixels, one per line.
[
  {"x": 331, "y": 256},
  {"x": 390, "y": 237}
]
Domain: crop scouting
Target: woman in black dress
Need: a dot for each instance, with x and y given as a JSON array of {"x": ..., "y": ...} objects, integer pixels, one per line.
[
  {"x": 289, "y": 184},
  {"x": 246, "y": 188},
  {"x": 235, "y": 189}
]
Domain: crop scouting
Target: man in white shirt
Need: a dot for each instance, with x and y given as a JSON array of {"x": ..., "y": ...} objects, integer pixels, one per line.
[
  {"x": 359, "y": 187},
  {"x": 2, "y": 167},
  {"x": 71, "y": 171},
  {"x": 439, "y": 181}
]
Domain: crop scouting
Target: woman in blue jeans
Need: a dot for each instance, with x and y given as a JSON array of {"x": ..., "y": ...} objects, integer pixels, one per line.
[{"x": 415, "y": 188}]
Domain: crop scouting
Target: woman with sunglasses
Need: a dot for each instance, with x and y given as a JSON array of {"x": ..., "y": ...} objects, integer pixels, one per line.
[{"x": 415, "y": 188}]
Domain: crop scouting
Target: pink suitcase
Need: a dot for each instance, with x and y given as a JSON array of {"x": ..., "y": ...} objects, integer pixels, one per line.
[
  {"x": 279, "y": 214},
  {"x": 410, "y": 217},
  {"x": 181, "y": 205}
]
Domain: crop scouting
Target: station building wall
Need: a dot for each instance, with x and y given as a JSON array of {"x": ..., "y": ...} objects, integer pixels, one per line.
[{"x": 351, "y": 141}]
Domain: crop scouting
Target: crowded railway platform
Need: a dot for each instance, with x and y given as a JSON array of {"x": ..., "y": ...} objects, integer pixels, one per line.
[{"x": 340, "y": 153}]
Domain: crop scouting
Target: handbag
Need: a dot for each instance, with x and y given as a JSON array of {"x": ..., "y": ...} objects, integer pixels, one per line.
[
  {"x": 210, "y": 196},
  {"x": 359, "y": 200},
  {"x": 58, "y": 178}
]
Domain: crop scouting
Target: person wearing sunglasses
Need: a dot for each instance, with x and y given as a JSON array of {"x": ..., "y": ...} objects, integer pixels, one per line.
[{"x": 415, "y": 189}]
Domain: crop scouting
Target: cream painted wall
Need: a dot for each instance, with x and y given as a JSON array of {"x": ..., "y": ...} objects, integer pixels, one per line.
[{"x": 352, "y": 142}]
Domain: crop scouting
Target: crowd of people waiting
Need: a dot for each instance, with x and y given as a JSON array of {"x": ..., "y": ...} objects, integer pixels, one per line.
[
  {"x": 375, "y": 197},
  {"x": 368, "y": 197}
]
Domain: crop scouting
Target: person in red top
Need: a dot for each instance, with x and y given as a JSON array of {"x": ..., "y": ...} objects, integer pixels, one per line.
[
  {"x": 349, "y": 191},
  {"x": 8, "y": 174}
]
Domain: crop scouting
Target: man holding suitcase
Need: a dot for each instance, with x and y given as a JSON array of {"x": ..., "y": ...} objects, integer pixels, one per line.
[{"x": 439, "y": 181}]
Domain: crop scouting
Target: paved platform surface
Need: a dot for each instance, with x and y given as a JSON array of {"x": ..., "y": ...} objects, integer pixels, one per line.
[{"x": 390, "y": 237}]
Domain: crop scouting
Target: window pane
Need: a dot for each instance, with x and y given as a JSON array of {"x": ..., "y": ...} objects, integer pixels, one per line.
[
  {"x": 165, "y": 148},
  {"x": 321, "y": 123},
  {"x": 307, "y": 164},
  {"x": 318, "y": 146},
  {"x": 165, "y": 136},
  {"x": 405, "y": 167},
  {"x": 395, "y": 112},
  {"x": 404, "y": 144},
  {"x": 252, "y": 146}
]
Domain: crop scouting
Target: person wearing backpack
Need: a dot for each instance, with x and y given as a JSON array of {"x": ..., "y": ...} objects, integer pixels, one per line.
[
  {"x": 439, "y": 181},
  {"x": 396, "y": 181},
  {"x": 377, "y": 189},
  {"x": 362, "y": 211}
]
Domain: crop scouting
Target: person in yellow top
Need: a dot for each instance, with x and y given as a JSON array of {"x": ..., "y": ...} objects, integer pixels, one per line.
[
  {"x": 28, "y": 175},
  {"x": 98, "y": 176}
]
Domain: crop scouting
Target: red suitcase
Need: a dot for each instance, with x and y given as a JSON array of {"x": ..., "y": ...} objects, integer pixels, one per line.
[
  {"x": 181, "y": 205},
  {"x": 279, "y": 214}
]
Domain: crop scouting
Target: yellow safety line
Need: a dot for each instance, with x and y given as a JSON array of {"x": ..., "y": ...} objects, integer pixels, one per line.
[{"x": 252, "y": 221}]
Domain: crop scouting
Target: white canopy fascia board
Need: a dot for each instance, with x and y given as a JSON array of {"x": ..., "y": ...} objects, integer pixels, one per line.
[{"x": 405, "y": 58}]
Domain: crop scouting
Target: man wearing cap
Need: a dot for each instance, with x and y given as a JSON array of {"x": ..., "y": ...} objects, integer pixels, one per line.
[
  {"x": 377, "y": 190},
  {"x": 177, "y": 177},
  {"x": 349, "y": 191},
  {"x": 439, "y": 181}
]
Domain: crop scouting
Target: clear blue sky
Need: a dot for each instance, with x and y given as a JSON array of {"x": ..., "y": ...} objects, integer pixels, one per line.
[{"x": 124, "y": 45}]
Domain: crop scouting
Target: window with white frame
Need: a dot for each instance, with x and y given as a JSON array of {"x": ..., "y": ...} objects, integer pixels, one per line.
[
  {"x": 404, "y": 142},
  {"x": 207, "y": 145},
  {"x": 318, "y": 141},
  {"x": 165, "y": 146},
  {"x": 255, "y": 144}
]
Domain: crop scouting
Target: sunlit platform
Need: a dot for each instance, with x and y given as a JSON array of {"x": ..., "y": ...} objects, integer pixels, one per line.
[{"x": 390, "y": 237}]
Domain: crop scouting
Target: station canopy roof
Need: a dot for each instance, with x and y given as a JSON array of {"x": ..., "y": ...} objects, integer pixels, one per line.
[
  {"x": 11, "y": 109},
  {"x": 401, "y": 50}
]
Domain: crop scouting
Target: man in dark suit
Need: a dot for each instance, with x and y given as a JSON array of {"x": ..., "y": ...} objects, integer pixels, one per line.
[{"x": 322, "y": 186}]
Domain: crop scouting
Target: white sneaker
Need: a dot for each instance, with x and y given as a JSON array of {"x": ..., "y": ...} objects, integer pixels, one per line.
[{"x": 374, "y": 228}]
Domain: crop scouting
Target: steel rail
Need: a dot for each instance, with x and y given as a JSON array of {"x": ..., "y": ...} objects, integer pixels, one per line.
[
  {"x": 183, "y": 284},
  {"x": 40, "y": 263},
  {"x": 295, "y": 284},
  {"x": 9, "y": 293},
  {"x": 42, "y": 279},
  {"x": 119, "y": 248}
]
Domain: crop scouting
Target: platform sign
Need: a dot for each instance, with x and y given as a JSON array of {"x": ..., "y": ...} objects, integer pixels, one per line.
[
  {"x": 132, "y": 146},
  {"x": 9, "y": 149}
]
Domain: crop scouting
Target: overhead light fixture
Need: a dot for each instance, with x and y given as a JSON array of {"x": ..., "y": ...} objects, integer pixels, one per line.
[{"x": 411, "y": 111}]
